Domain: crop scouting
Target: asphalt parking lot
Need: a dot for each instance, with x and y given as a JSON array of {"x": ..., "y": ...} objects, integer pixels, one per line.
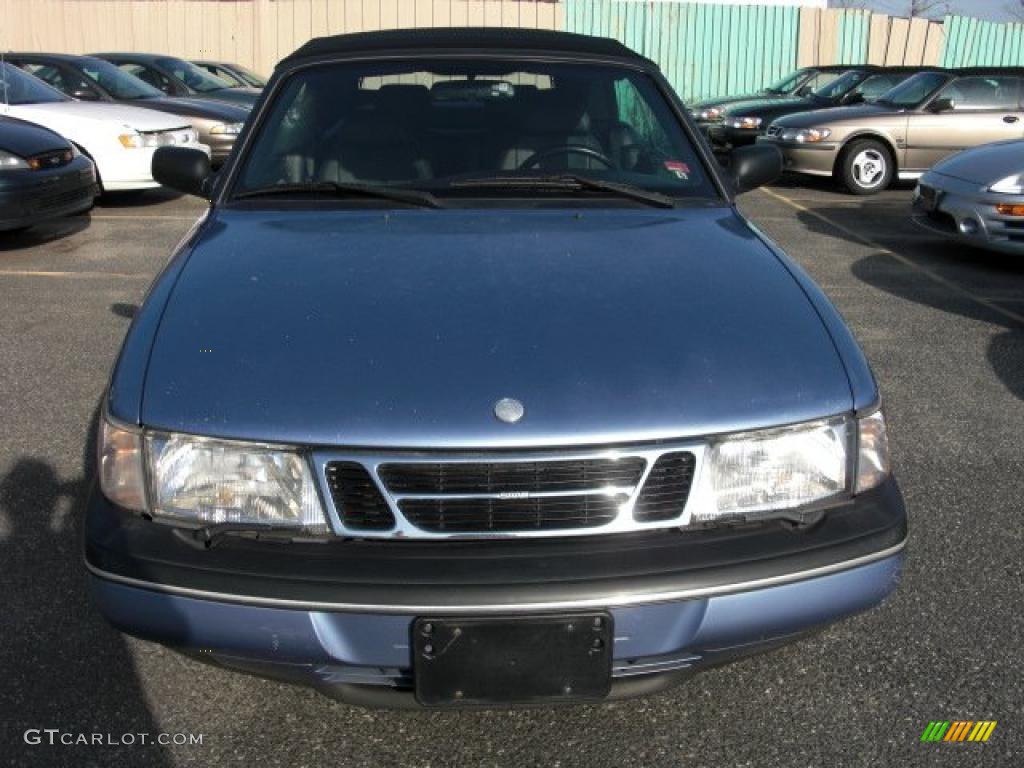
[{"x": 944, "y": 329}]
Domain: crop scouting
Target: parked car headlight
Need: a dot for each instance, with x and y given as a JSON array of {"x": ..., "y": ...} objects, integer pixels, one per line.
[
  {"x": 748, "y": 123},
  {"x": 806, "y": 135},
  {"x": 198, "y": 481},
  {"x": 1011, "y": 185},
  {"x": 760, "y": 474},
  {"x": 158, "y": 138},
  {"x": 226, "y": 129},
  {"x": 11, "y": 162},
  {"x": 710, "y": 113}
]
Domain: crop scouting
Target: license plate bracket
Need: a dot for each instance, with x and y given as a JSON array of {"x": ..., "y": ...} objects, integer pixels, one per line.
[{"x": 520, "y": 659}]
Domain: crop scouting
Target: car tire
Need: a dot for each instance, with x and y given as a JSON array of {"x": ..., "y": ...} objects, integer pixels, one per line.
[{"x": 866, "y": 167}]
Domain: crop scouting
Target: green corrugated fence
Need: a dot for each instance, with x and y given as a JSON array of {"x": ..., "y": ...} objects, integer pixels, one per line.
[
  {"x": 976, "y": 43},
  {"x": 703, "y": 49}
]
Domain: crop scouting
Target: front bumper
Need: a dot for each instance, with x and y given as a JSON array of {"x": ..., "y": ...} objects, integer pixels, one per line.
[
  {"x": 31, "y": 197},
  {"x": 967, "y": 212},
  {"x": 722, "y": 135},
  {"x": 338, "y": 616},
  {"x": 811, "y": 159}
]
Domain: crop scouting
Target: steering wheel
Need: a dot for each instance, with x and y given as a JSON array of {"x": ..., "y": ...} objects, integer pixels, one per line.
[{"x": 536, "y": 158}]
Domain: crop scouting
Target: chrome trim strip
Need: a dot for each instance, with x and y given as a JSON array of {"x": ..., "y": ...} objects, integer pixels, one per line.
[
  {"x": 612, "y": 601},
  {"x": 609, "y": 490}
]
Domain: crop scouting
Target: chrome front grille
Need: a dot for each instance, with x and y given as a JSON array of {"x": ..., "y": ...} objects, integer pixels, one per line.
[{"x": 481, "y": 495}]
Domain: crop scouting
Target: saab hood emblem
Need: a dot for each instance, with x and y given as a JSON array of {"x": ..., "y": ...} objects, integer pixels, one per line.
[{"x": 509, "y": 410}]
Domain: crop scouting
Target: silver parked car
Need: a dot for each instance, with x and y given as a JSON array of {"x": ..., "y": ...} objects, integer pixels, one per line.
[{"x": 976, "y": 196}]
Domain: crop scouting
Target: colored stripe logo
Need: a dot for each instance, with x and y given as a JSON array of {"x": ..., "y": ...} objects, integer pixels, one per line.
[{"x": 958, "y": 730}]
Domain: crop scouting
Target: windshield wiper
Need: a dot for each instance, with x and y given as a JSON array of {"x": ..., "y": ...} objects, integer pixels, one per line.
[
  {"x": 338, "y": 189},
  {"x": 570, "y": 181}
]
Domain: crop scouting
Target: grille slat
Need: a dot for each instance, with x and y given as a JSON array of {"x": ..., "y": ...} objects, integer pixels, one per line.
[
  {"x": 495, "y": 477},
  {"x": 357, "y": 498},
  {"x": 479, "y": 515},
  {"x": 667, "y": 488}
]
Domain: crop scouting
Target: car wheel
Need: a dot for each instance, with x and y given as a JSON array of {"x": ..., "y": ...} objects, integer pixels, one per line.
[{"x": 867, "y": 167}]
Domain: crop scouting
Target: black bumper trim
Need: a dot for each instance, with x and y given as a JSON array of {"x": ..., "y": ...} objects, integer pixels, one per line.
[{"x": 475, "y": 577}]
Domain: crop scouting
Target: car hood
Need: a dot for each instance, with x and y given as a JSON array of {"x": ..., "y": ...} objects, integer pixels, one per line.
[
  {"x": 985, "y": 165},
  {"x": 820, "y": 117},
  {"x": 69, "y": 118},
  {"x": 205, "y": 109},
  {"x": 244, "y": 97},
  {"x": 776, "y": 106},
  {"x": 27, "y": 139},
  {"x": 402, "y": 329}
]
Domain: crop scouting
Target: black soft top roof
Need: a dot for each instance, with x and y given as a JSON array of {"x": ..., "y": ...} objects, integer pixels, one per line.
[{"x": 463, "y": 38}]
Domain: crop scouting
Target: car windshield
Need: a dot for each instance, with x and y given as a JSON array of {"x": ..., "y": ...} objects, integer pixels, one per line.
[
  {"x": 913, "y": 90},
  {"x": 19, "y": 87},
  {"x": 841, "y": 85},
  {"x": 877, "y": 85},
  {"x": 194, "y": 77},
  {"x": 116, "y": 81},
  {"x": 470, "y": 127},
  {"x": 250, "y": 77},
  {"x": 788, "y": 84}
]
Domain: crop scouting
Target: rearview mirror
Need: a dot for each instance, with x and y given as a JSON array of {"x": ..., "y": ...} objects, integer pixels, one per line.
[
  {"x": 184, "y": 169},
  {"x": 942, "y": 105},
  {"x": 754, "y": 166}
]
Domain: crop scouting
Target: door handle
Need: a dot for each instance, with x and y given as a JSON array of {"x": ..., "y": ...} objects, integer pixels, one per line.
[{"x": 1011, "y": 119}]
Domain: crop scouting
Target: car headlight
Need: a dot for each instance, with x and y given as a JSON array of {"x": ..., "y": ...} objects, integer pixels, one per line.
[
  {"x": 1011, "y": 185},
  {"x": 748, "y": 123},
  {"x": 154, "y": 139},
  {"x": 12, "y": 162},
  {"x": 761, "y": 474},
  {"x": 806, "y": 135},
  {"x": 226, "y": 129},
  {"x": 710, "y": 113},
  {"x": 197, "y": 481}
]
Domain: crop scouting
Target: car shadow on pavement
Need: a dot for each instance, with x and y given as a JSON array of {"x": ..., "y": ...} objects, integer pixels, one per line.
[
  {"x": 137, "y": 199},
  {"x": 63, "y": 667},
  {"x": 997, "y": 279},
  {"x": 41, "y": 234}
]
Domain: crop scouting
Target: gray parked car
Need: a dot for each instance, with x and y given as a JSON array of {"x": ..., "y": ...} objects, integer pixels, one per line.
[{"x": 976, "y": 196}]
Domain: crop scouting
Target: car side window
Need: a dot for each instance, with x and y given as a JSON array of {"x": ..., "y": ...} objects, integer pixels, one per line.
[
  {"x": 48, "y": 74},
  {"x": 977, "y": 94},
  {"x": 149, "y": 75}
]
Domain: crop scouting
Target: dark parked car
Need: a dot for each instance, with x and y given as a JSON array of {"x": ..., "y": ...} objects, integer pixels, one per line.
[
  {"x": 42, "y": 176},
  {"x": 472, "y": 386},
  {"x": 799, "y": 83},
  {"x": 90, "y": 79},
  {"x": 177, "y": 77},
  {"x": 907, "y": 130},
  {"x": 743, "y": 122},
  {"x": 234, "y": 74}
]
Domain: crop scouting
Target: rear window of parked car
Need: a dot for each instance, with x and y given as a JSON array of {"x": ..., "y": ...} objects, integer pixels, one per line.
[{"x": 407, "y": 125}]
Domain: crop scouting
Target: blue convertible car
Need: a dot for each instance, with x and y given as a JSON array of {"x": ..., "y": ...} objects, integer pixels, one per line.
[{"x": 472, "y": 387}]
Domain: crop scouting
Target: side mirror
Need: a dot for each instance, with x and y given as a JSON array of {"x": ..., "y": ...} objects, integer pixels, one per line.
[
  {"x": 85, "y": 94},
  {"x": 755, "y": 165},
  {"x": 854, "y": 98},
  {"x": 804, "y": 90},
  {"x": 184, "y": 169},
  {"x": 942, "y": 105}
]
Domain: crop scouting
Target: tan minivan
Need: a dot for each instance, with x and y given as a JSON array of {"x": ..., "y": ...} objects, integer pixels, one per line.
[{"x": 905, "y": 131}]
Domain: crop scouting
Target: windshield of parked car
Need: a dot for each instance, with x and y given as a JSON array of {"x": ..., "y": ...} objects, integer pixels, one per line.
[
  {"x": 250, "y": 77},
  {"x": 116, "y": 81},
  {"x": 472, "y": 125},
  {"x": 913, "y": 90},
  {"x": 841, "y": 85},
  {"x": 194, "y": 77},
  {"x": 19, "y": 87},
  {"x": 877, "y": 85},
  {"x": 788, "y": 84}
]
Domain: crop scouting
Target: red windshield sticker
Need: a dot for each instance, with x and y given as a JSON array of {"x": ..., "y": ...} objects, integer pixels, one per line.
[{"x": 681, "y": 170}]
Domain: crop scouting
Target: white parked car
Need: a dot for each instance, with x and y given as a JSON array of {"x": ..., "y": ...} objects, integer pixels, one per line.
[{"x": 119, "y": 139}]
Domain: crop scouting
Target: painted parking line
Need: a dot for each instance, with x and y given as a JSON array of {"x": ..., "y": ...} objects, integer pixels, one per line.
[
  {"x": 931, "y": 274},
  {"x": 55, "y": 273}
]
